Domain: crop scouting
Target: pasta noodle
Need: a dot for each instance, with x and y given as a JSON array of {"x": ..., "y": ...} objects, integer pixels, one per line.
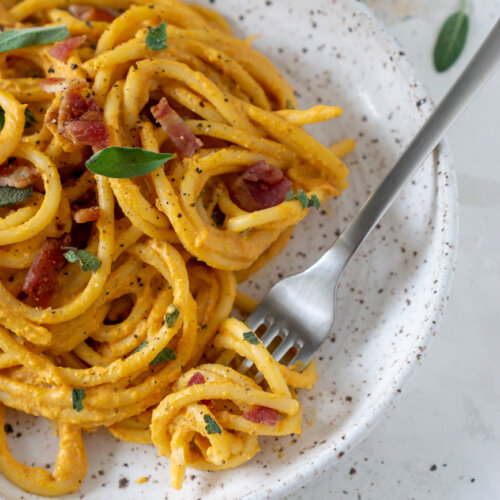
[{"x": 116, "y": 289}]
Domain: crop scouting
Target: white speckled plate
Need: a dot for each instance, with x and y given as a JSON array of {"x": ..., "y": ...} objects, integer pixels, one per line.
[{"x": 391, "y": 296}]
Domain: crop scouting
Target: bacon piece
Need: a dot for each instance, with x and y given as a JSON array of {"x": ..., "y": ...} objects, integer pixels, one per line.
[
  {"x": 262, "y": 415},
  {"x": 210, "y": 142},
  {"x": 53, "y": 85},
  {"x": 196, "y": 379},
  {"x": 180, "y": 134},
  {"x": 18, "y": 176},
  {"x": 90, "y": 133},
  {"x": 41, "y": 280},
  {"x": 88, "y": 13},
  {"x": 62, "y": 50},
  {"x": 81, "y": 121},
  {"x": 260, "y": 186},
  {"x": 86, "y": 215}
]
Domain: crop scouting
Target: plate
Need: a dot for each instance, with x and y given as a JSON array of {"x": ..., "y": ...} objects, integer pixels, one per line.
[{"x": 391, "y": 296}]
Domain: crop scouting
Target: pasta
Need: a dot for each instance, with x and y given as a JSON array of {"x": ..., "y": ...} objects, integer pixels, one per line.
[{"x": 149, "y": 161}]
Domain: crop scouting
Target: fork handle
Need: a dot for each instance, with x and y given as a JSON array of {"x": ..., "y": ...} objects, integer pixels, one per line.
[{"x": 482, "y": 66}]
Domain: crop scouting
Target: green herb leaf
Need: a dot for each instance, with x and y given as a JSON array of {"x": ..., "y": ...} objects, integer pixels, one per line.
[
  {"x": 122, "y": 163},
  {"x": 29, "y": 118},
  {"x": 251, "y": 338},
  {"x": 163, "y": 356},
  {"x": 140, "y": 347},
  {"x": 27, "y": 37},
  {"x": 314, "y": 201},
  {"x": 88, "y": 261},
  {"x": 212, "y": 426},
  {"x": 157, "y": 37},
  {"x": 12, "y": 195},
  {"x": 77, "y": 396},
  {"x": 289, "y": 104},
  {"x": 451, "y": 40},
  {"x": 290, "y": 195},
  {"x": 218, "y": 217},
  {"x": 304, "y": 200},
  {"x": 172, "y": 313}
]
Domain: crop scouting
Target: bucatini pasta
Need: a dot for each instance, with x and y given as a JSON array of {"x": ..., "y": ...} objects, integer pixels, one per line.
[{"x": 149, "y": 161}]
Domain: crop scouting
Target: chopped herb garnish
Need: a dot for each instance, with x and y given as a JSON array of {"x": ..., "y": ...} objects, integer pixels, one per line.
[
  {"x": 88, "y": 261},
  {"x": 303, "y": 199},
  {"x": 172, "y": 313},
  {"x": 12, "y": 195},
  {"x": 218, "y": 217},
  {"x": 212, "y": 426},
  {"x": 289, "y": 104},
  {"x": 29, "y": 118},
  {"x": 306, "y": 202},
  {"x": 451, "y": 39},
  {"x": 140, "y": 347},
  {"x": 27, "y": 37},
  {"x": 77, "y": 396},
  {"x": 251, "y": 338},
  {"x": 121, "y": 163},
  {"x": 314, "y": 201},
  {"x": 290, "y": 195},
  {"x": 163, "y": 356},
  {"x": 157, "y": 37}
]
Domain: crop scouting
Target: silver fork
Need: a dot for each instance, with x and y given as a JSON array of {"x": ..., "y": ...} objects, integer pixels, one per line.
[{"x": 300, "y": 309}]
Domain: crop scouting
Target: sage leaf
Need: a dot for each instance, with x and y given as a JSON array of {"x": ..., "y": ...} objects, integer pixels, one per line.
[
  {"x": 27, "y": 37},
  {"x": 121, "y": 163},
  {"x": 451, "y": 40},
  {"x": 12, "y": 195},
  {"x": 87, "y": 260},
  {"x": 164, "y": 356},
  {"x": 156, "y": 39},
  {"x": 77, "y": 396}
]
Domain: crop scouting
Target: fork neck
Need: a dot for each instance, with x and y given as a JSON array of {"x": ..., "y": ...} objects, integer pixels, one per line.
[{"x": 480, "y": 69}]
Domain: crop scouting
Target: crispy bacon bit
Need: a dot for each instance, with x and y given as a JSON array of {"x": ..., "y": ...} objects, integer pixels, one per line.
[
  {"x": 80, "y": 120},
  {"x": 196, "y": 379},
  {"x": 90, "y": 133},
  {"x": 182, "y": 137},
  {"x": 41, "y": 280},
  {"x": 88, "y": 13},
  {"x": 261, "y": 186},
  {"x": 62, "y": 50},
  {"x": 210, "y": 142},
  {"x": 262, "y": 415},
  {"x": 86, "y": 215},
  {"x": 53, "y": 85},
  {"x": 19, "y": 176}
]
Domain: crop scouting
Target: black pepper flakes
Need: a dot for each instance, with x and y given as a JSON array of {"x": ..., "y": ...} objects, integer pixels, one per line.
[{"x": 123, "y": 482}]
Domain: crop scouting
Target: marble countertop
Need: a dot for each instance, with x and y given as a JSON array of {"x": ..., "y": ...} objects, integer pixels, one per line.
[{"x": 441, "y": 439}]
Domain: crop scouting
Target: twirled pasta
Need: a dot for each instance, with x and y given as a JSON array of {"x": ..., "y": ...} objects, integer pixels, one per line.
[{"x": 142, "y": 344}]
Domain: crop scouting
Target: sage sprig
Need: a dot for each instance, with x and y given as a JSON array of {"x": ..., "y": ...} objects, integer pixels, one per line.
[
  {"x": 120, "y": 163},
  {"x": 451, "y": 39},
  {"x": 27, "y": 37}
]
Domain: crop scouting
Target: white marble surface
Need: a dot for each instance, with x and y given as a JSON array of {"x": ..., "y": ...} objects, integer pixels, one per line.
[{"x": 442, "y": 439}]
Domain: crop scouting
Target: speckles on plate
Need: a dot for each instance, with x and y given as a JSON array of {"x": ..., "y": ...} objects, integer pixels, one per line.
[{"x": 393, "y": 292}]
